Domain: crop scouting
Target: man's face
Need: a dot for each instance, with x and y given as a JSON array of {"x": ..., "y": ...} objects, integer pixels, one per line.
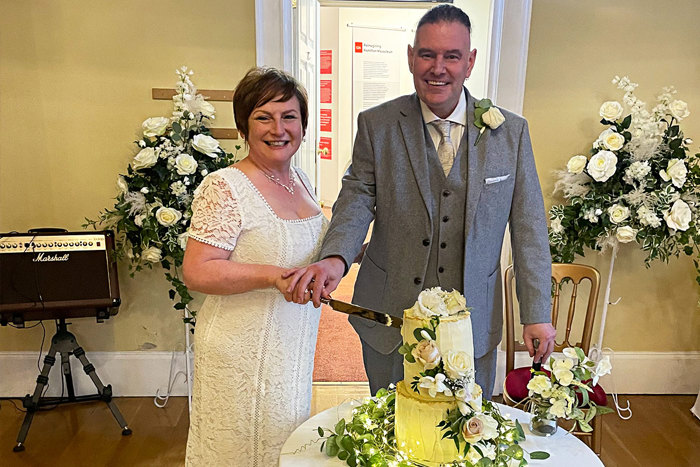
[{"x": 440, "y": 61}]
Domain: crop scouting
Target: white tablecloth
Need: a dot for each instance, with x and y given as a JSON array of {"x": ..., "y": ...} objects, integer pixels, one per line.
[{"x": 302, "y": 448}]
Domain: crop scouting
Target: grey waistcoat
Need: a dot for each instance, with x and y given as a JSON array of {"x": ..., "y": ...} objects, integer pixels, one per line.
[{"x": 446, "y": 261}]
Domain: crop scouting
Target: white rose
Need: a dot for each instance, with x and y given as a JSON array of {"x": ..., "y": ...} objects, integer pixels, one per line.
[
  {"x": 558, "y": 408},
  {"x": 427, "y": 353},
  {"x": 199, "y": 105},
  {"x": 155, "y": 126},
  {"x": 480, "y": 426},
  {"x": 457, "y": 364},
  {"x": 626, "y": 234},
  {"x": 576, "y": 164},
  {"x": 206, "y": 145},
  {"x": 138, "y": 220},
  {"x": 455, "y": 302},
  {"x": 618, "y": 213},
  {"x": 122, "y": 186},
  {"x": 679, "y": 217},
  {"x": 570, "y": 352},
  {"x": 539, "y": 384},
  {"x": 144, "y": 159},
  {"x": 679, "y": 109},
  {"x": 612, "y": 140},
  {"x": 676, "y": 171},
  {"x": 168, "y": 216},
  {"x": 611, "y": 110},
  {"x": 602, "y": 166},
  {"x": 151, "y": 254},
  {"x": 185, "y": 164},
  {"x": 493, "y": 118},
  {"x": 431, "y": 303},
  {"x": 563, "y": 375},
  {"x": 556, "y": 226},
  {"x": 182, "y": 240}
]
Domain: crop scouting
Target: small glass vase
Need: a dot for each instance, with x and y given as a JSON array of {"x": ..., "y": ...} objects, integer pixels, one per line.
[{"x": 541, "y": 425}]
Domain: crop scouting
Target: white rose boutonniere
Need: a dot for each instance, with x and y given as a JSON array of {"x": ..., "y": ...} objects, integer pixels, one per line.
[
  {"x": 576, "y": 164},
  {"x": 679, "y": 217},
  {"x": 155, "y": 126},
  {"x": 676, "y": 172},
  {"x": 168, "y": 216},
  {"x": 602, "y": 166},
  {"x": 486, "y": 115},
  {"x": 206, "y": 145},
  {"x": 144, "y": 159}
]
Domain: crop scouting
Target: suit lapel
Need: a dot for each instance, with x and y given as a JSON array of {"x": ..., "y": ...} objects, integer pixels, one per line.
[
  {"x": 476, "y": 157},
  {"x": 411, "y": 124}
]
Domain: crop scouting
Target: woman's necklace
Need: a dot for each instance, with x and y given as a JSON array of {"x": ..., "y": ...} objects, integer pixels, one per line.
[{"x": 278, "y": 181}]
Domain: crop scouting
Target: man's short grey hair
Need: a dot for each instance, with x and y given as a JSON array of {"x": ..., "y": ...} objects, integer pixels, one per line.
[{"x": 445, "y": 13}]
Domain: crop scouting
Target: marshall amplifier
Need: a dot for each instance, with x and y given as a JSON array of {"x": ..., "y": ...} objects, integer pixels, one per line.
[{"x": 51, "y": 275}]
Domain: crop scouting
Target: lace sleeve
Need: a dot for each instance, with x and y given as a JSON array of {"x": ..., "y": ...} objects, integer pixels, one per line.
[{"x": 216, "y": 218}]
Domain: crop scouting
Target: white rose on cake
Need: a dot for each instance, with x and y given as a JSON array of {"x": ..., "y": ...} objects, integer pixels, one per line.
[
  {"x": 455, "y": 302},
  {"x": 457, "y": 364},
  {"x": 480, "y": 426},
  {"x": 427, "y": 353}
]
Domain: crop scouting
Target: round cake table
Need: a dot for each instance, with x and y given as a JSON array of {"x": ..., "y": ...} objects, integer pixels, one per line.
[{"x": 302, "y": 448}]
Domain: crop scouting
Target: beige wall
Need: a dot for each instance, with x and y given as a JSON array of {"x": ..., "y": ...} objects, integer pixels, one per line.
[
  {"x": 75, "y": 85},
  {"x": 576, "y": 48}
]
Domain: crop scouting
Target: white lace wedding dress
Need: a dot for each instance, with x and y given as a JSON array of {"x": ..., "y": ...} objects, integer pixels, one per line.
[{"x": 254, "y": 352}]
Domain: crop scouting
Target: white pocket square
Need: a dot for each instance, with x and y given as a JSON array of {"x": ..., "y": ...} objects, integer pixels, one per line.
[{"x": 489, "y": 181}]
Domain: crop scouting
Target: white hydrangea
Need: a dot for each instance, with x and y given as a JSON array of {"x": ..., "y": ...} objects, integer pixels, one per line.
[
  {"x": 648, "y": 217},
  {"x": 636, "y": 171}
]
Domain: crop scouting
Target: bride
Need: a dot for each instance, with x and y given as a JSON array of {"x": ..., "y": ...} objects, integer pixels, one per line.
[{"x": 251, "y": 223}]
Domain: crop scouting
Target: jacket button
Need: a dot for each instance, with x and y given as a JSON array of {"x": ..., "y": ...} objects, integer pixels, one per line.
[
  {"x": 441, "y": 269},
  {"x": 443, "y": 245},
  {"x": 446, "y": 193},
  {"x": 426, "y": 242},
  {"x": 446, "y": 218},
  {"x": 417, "y": 281}
]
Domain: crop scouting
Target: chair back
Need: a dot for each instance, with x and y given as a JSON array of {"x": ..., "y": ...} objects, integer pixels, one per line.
[{"x": 576, "y": 273}]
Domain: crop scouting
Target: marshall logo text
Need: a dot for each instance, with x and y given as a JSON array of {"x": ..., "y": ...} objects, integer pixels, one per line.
[{"x": 42, "y": 258}]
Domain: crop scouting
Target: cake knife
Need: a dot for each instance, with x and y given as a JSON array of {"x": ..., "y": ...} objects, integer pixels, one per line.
[{"x": 350, "y": 309}]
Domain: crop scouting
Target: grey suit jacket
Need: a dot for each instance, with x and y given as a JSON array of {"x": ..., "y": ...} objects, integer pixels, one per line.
[{"x": 388, "y": 182}]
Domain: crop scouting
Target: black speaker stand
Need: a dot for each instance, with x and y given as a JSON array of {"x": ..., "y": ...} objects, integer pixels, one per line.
[{"x": 64, "y": 342}]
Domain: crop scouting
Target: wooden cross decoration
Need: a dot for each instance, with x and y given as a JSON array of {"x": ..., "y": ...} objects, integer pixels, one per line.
[{"x": 216, "y": 95}]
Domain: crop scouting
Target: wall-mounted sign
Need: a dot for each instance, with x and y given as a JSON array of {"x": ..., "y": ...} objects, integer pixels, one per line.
[
  {"x": 326, "y": 65},
  {"x": 326, "y": 91},
  {"x": 325, "y": 120},
  {"x": 324, "y": 145}
]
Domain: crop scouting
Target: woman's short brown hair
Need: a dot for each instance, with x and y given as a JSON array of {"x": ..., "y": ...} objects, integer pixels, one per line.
[{"x": 258, "y": 87}]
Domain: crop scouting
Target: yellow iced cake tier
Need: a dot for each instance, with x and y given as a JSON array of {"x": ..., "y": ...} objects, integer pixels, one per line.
[
  {"x": 416, "y": 429},
  {"x": 454, "y": 333}
]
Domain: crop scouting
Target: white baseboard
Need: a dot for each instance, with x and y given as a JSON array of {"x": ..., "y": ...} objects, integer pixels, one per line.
[
  {"x": 635, "y": 372},
  {"x": 132, "y": 373},
  {"x": 143, "y": 373}
]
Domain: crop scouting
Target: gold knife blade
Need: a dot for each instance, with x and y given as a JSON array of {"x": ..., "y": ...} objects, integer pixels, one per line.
[{"x": 350, "y": 309}]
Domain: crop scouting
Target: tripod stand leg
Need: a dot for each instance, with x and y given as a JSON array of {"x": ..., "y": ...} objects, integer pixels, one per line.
[
  {"x": 32, "y": 403},
  {"x": 105, "y": 391}
]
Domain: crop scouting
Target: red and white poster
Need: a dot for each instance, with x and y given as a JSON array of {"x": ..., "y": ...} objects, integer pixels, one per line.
[
  {"x": 325, "y": 120},
  {"x": 326, "y": 64},
  {"x": 326, "y": 91},
  {"x": 324, "y": 145}
]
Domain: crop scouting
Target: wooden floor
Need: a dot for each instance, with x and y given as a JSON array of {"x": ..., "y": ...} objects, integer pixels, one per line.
[{"x": 662, "y": 432}]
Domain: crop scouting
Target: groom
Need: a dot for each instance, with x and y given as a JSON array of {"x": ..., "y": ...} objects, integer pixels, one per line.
[{"x": 440, "y": 202}]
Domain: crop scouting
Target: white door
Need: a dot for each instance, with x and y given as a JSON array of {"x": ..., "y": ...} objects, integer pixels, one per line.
[{"x": 305, "y": 66}]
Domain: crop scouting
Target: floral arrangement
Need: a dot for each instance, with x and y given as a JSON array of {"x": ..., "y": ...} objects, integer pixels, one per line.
[
  {"x": 640, "y": 184},
  {"x": 563, "y": 391},
  {"x": 486, "y": 115},
  {"x": 368, "y": 438},
  {"x": 153, "y": 206}
]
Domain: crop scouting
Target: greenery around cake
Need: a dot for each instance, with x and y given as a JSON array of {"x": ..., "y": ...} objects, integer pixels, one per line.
[{"x": 482, "y": 436}]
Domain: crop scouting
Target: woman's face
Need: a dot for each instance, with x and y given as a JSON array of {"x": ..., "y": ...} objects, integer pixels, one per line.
[{"x": 275, "y": 130}]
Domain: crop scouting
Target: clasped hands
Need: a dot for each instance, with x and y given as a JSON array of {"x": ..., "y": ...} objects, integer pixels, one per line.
[{"x": 312, "y": 282}]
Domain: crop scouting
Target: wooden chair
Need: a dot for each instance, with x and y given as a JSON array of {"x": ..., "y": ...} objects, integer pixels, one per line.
[{"x": 515, "y": 384}]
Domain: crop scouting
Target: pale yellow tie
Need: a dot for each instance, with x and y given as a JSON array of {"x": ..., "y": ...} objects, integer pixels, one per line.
[{"x": 445, "y": 150}]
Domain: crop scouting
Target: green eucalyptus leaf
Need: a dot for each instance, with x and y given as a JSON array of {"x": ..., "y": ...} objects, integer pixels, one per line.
[
  {"x": 340, "y": 427},
  {"x": 332, "y": 448},
  {"x": 539, "y": 455},
  {"x": 320, "y": 432}
]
